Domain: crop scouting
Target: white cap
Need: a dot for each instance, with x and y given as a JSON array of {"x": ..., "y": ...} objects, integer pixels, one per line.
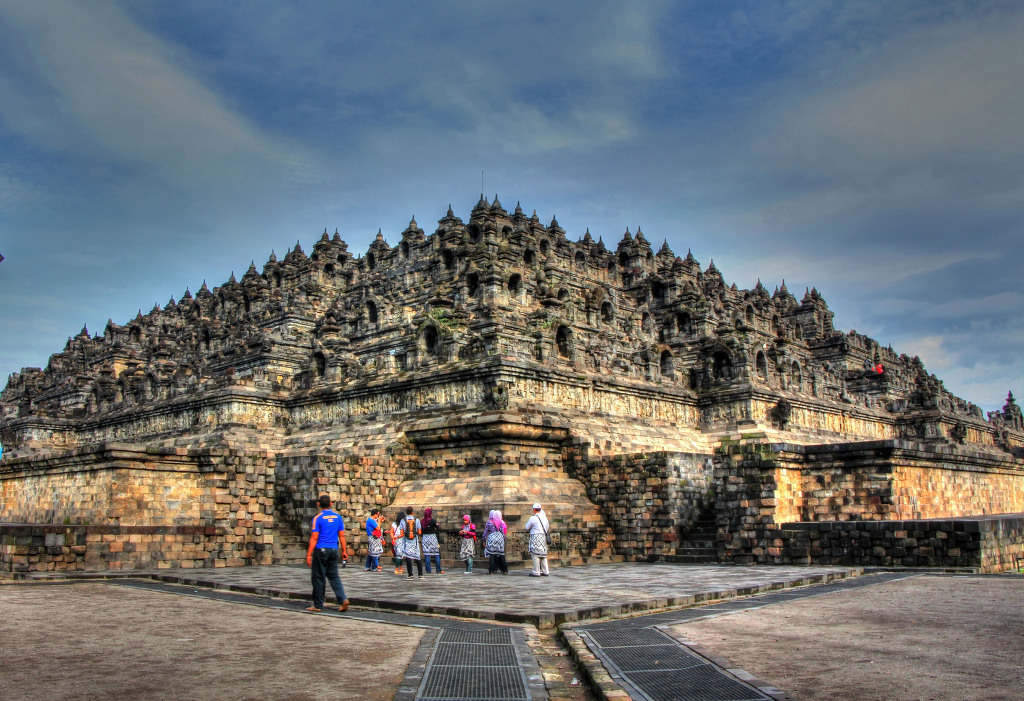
[{"x": 536, "y": 507}]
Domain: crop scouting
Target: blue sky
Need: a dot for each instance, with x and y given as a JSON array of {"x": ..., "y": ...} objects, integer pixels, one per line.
[{"x": 873, "y": 150}]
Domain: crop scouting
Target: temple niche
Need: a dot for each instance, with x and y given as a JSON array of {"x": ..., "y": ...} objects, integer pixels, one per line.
[{"x": 491, "y": 363}]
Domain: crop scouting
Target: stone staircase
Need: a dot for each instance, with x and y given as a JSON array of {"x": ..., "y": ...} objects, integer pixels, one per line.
[
  {"x": 289, "y": 548},
  {"x": 697, "y": 544}
]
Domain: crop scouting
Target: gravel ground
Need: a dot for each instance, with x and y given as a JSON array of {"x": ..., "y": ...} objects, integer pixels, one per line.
[
  {"x": 924, "y": 637},
  {"x": 96, "y": 641}
]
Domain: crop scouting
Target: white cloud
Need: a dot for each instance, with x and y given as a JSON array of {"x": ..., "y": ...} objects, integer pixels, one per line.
[
  {"x": 923, "y": 118},
  {"x": 839, "y": 268},
  {"x": 979, "y": 361},
  {"x": 16, "y": 192},
  {"x": 542, "y": 78},
  {"x": 948, "y": 91},
  {"x": 931, "y": 349},
  {"x": 1002, "y": 303},
  {"x": 114, "y": 91},
  {"x": 984, "y": 384}
]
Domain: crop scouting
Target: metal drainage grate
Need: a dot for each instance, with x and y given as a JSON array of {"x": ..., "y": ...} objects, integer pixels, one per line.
[
  {"x": 704, "y": 683},
  {"x": 444, "y": 683},
  {"x": 475, "y": 655},
  {"x": 498, "y": 636},
  {"x": 474, "y": 664},
  {"x": 610, "y": 637},
  {"x": 658, "y": 668},
  {"x": 652, "y": 657}
]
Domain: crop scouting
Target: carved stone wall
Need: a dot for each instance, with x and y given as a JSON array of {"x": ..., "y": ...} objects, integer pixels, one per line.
[
  {"x": 490, "y": 363},
  {"x": 760, "y": 488},
  {"x": 55, "y": 548},
  {"x": 497, "y": 460},
  {"x": 984, "y": 544},
  {"x": 625, "y": 331},
  {"x": 113, "y": 485},
  {"x": 135, "y": 509},
  {"x": 355, "y": 483},
  {"x": 649, "y": 499}
]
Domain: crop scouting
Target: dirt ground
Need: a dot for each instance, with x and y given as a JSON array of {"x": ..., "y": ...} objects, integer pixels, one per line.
[
  {"x": 924, "y": 637},
  {"x": 97, "y": 641}
]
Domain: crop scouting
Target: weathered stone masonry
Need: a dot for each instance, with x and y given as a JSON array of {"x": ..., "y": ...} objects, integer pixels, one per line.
[
  {"x": 786, "y": 503},
  {"x": 209, "y": 507},
  {"x": 489, "y": 364}
]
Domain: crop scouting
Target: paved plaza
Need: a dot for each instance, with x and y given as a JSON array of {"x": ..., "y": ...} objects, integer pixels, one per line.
[
  {"x": 654, "y": 631},
  {"x": 569, "y": 594},
  {"x": 99, "y": 640},
  {"x": 913, "y": 637}
]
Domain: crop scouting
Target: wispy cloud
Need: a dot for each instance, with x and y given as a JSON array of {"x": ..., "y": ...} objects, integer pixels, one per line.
[
  {"x": 542, "y": 77},
  {"x": 997, "y": 305},
  {"x": 949, "y": 91},
  {"x": 983, "y": 377},
  {"x": 92, "y": 82},
  {"x": 16, "y": 192},
  {"x": 872, "y": 150}
]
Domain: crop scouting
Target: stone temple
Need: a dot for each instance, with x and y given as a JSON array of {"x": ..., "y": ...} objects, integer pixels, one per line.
[{"x": 656, "y": 411}]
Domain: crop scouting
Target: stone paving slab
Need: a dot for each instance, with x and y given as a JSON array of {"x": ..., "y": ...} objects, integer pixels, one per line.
[
  {"x": 589, "y": 644},
  {"x": 418, "y": 672},
  {"x": 98, "y": 641},
  {"x": 569, "y": 594}
]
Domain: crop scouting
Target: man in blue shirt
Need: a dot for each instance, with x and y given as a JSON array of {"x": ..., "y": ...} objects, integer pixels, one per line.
[{"x": 325, "y": 539}]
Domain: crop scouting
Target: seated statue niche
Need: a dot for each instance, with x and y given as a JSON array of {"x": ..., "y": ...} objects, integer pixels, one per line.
[
  {"x": 430, "y": 341},
  {"x": 667, "y": 365},
  {"x": 348, "y": 365},
  {"x": 496, "y": 395},
  {"x": 319, "y": 364},
  {"x": 780, "y": 413},
  {"x": 721, "y": 366},
  {"x": 563, "y": 341}
]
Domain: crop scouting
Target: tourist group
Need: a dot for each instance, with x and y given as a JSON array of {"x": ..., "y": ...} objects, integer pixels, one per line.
[{"x": 413, "y": 540}]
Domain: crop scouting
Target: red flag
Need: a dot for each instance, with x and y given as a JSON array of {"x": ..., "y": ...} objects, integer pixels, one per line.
[{"x": 879, "y": 369}]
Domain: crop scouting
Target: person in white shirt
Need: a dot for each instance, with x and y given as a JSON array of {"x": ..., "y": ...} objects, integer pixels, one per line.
[{"x": 539, "y": 529}]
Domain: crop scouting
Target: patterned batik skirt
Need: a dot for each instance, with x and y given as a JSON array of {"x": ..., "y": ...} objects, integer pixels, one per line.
[
  {"x": 376, "y": 546},
  {"x": 410, "y": 548},
  {"x": 495, "y": 543},
  {"x": 430, "y": 544},
  {"x": 538, "y": 544},
  {"x": 466, "y": 548}
]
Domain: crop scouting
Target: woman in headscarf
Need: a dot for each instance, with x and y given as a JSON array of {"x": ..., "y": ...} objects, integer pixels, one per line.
[
  {"x": 396, "y": 543},
  {"x": 429, "y": 544},
  {"x": 494, "y": 543},
  {"x": 468, "y": 545},
  {"x": 410, "y": 530}
]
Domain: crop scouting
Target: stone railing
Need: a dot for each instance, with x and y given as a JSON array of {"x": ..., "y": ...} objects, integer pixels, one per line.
[
  {"x": 992, "y": 543},
  {"x": 30, "y": 547}
]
